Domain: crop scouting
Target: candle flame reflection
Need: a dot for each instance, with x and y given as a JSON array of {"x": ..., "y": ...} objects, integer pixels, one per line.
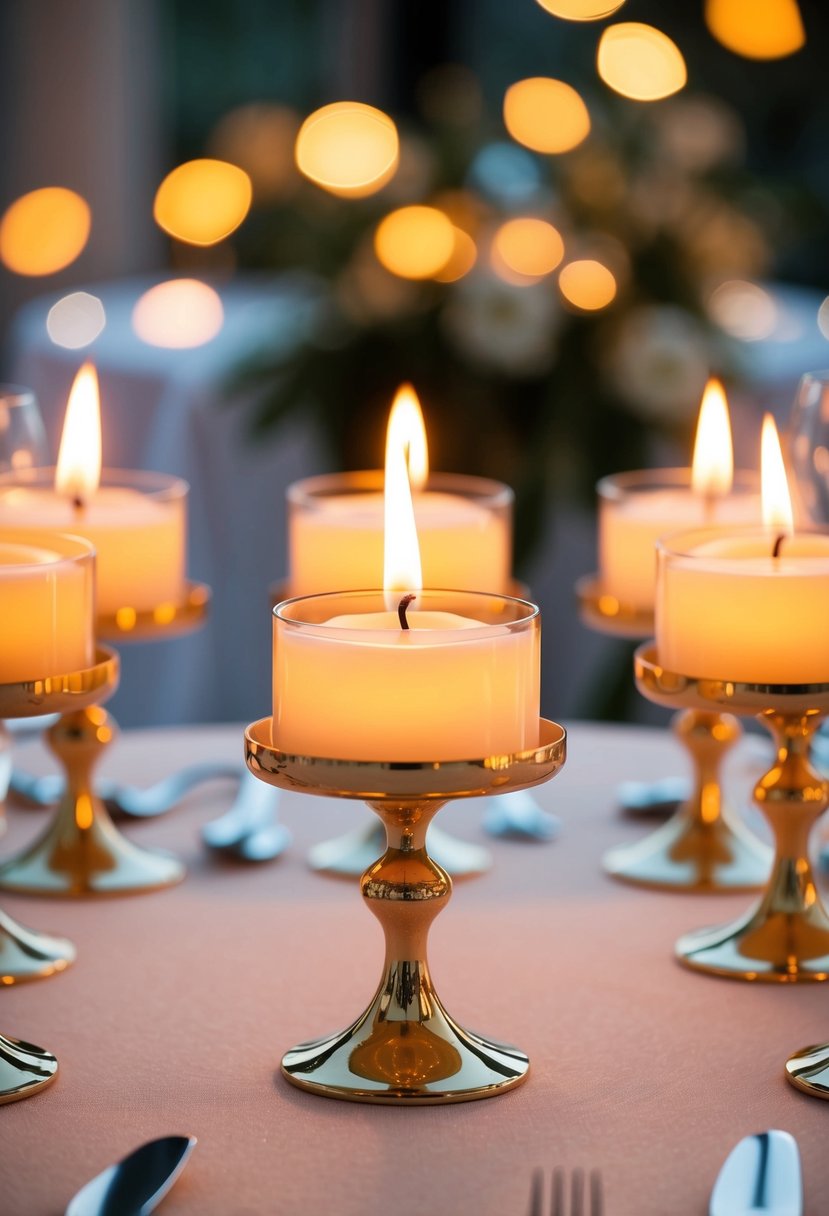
[
  {"x": 406, "y": 458},
  {"x": 712, "y": 471},
  {"x": 78, "y": 472},
  {"x": 777, "y": 502}
]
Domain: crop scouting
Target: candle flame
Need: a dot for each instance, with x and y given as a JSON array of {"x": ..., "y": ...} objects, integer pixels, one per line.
[
  {"x": 777, "y": 502},
  {"x": 407, "y": 429},
  {"x": 78, "y": 472},
  {"x": 405, "y": 458},
  {"x": 712, "y": 472}
]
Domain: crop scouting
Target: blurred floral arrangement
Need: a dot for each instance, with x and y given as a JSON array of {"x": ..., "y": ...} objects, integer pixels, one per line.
[{"x": 590, "y": 281}]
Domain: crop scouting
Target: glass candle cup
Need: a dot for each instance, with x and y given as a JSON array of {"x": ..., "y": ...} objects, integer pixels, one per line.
[
  {"x": 47, "y": 603},
  {"x": 137, "y": 522},
  {"x": 461, "y": 682},
  {"x": 335, "y": 532},
  {"x": 637, "y": 508},
  {"x": 740, "y": 606}
]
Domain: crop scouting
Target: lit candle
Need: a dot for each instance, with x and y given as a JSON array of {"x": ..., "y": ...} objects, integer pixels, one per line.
[
  {"x": 750, "y": 605},
  {"x": 136, "y": 521},
  {"x": 47, "y": 602},
  {"x": 404, "y": 674},
  {"x": 335, "y": 523},
  {"x": 636, "y": 509}
]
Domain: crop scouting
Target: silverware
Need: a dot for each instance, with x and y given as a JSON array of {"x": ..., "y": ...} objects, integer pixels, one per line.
[
  {"x": 654, "y": 799},
  {"x": 137, "y": 1184},
  {"x": 128, "y": 800},
  {"x": 519, "y": 816},
  {"x": 761, "y": 1174},
  {"x": 249, "y": 829},
  {"x": 584, "y": 1193}
]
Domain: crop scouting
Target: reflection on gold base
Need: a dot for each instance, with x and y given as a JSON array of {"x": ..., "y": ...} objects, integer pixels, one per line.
[
  {"x": 405, "y": 1049},
  {"x": 606, "y": 614},
  {"x": 703, "y": 847},
  {"x": 348, "y": 856},
  {"x": 785, "y": 938},
  {"x": 808, "y": 1070},
  {"x": 27, "y": 955},
  {"x": 159, "y": 623},
  {"x": 82, "y": 852},
  {"x": 24, "y": 1069}
]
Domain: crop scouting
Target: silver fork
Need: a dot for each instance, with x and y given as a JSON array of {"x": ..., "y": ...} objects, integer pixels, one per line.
[{"x": 585, "y": 1194}]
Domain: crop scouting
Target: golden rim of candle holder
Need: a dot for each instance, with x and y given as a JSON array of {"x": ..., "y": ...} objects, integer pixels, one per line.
[
  {"x": 674, "y": 690},
  {"x": 379, "y": 780},
  {"x": 59, "y": 694},
  {"x": 280, "y": 591},
  {"x": 163, "y": 621},
  {"x": 606, "y": 614}
]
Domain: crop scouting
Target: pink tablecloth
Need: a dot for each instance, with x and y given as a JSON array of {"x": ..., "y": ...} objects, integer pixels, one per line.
[{"x": 177, "y": 1011}]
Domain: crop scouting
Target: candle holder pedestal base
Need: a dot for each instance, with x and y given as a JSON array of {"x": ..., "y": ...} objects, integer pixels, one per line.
[
  {"x": 808, "y": 1070},
  {"x": 703, "y": 848},
  {"x": 405, "y": 1049},
  {"x": 24, "y": 1069},
  {"x": 785, "y": 937},
  {"x": 82, "y": 852},
  {"x": 29, "y": 955}
]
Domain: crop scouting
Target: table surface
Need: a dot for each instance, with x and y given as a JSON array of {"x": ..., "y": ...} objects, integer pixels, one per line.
[{"x": 181, "y": 1003}]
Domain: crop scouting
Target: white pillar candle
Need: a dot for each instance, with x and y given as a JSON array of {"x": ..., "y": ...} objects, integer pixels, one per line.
[
  {"x": 461, "y": 683},
  {"x": 136, "y": 521},
  {"x": 727, "y": 609},
  {"x": 47, "y": 604},
  {"x": 335, "y": 532}
]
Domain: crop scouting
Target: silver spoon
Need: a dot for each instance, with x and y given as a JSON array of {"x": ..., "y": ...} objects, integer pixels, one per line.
[
  {"x": 138, "y": 1183},
  {"x": 249, "y": 829},
  {"x": 519, "y": 816},
  {"x": 129, "y": 800}
]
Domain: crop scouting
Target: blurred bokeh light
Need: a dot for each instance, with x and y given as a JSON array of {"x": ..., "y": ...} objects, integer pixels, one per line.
[
  {"x": 178, "y": 314},
  {"x": 581, "y": 10},
  {"x": 587, "y": 285},
  {"x": 348, "y": 148},
  {"x": 640, "y": 62},
  {"x": 76, "y": 320},
  {"x": 461, "y": 260},
  {"x": 505, "y": 175},
  {"x": 415, "y": 242},
  {"x": 525, "y": 249},
  {"x": 202, "y": 201},
  {"x": 44, "y": 231},
  {"x": 545, "y": 115},
  {"x": 756, "y": 29},
  {"x": 744, "y": 310},
  {"x": 260, "y": 138}
]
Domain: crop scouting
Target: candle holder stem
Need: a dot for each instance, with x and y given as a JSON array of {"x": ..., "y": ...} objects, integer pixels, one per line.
[
  {"x": 82, "y": 852},
  {"x": 785, "y": 938},
  {"x": 405, "y": 1046},
  {"x": 703, "y": 847}
]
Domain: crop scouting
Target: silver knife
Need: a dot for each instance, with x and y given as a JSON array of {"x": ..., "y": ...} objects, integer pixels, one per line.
[
  {"x": 138, "y": 1183},
  {"x": 760, "y": 1175}
]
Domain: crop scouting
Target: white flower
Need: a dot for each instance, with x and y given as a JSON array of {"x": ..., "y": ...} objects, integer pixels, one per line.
[
  {"x": 659, "y": 362},
  {"x": 511, "y": 328}
]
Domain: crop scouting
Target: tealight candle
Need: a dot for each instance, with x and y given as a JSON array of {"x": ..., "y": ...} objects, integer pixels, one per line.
[
  {"x": 47, "y": 602},
  {"x": 335, "y": 523},
  {"x": 637, "y": 508},
  {"x": 136, "y": 521}
]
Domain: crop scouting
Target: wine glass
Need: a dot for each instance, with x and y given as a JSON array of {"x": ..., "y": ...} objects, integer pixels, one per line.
[{"x": 22, "y": 436}]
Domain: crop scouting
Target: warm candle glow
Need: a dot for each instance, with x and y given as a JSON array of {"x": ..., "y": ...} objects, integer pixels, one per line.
[
  {"x": 546, "y": 115},
  {"x": 348, "y": 148},
  {"x": 44, "y": 231},
  {"x": 78, "y": 472},
  {"x": 712, "y": 471},
  {"x": 757, "y": 29},
  {"x": 405, "y": 457},
  {"x": 203, "y": 201},
  {"x": 415, "y": 242},
  {"x": 777, "y": 503},
  {"x": 639, "y": 61}
]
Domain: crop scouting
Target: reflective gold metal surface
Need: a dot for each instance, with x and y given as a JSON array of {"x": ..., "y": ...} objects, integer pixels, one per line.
[
  {"x": 26, "y": 954},
  {"x": 163, "y": 621},
  {"x": 56, "y": 694},
  {"x": 808, "y": 1070},
  {"x": 24, "y": 1069},
  {"x": 785, "y": 937},
  {"x": 405, "y": 1049},
  {"x": 704, "y": 848}
]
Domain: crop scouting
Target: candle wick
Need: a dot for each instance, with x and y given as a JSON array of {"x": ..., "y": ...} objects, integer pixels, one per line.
[
  {"x": 776, "y": 550},
  {"x": 401, "y": 609},
  {"x": 710, "y": 506},
  {"x": 77, "y": 502}
]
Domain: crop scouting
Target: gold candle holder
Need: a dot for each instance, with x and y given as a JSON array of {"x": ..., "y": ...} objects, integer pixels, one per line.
[
  {"x": 347, "y": 856},
  {"x": 82, "y": 852},
  {"x": 785, "y": 937},
  {"x": 24, "y": 954},
  {"x": 405, "y": 1049},
  {"x": 704, "y": 847}
]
